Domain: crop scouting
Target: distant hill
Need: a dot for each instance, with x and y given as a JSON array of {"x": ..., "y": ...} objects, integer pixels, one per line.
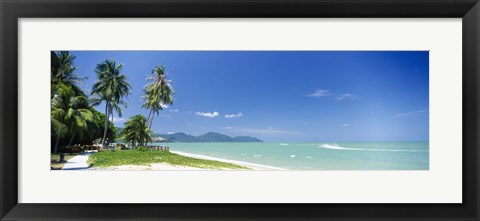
[
  {"x": 245, "y": 139},
  {"x": 214, "y": 137},
  {"x": 208, "y": 137},
  {"x": 177, "y": 137}
]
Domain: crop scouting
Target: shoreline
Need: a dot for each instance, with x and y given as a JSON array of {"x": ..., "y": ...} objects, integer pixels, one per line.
[{"x": 252, "y": 166}]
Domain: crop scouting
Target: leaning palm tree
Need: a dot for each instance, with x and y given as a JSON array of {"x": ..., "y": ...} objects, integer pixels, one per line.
[
  {"x": 158, "y": 93},
  {"x": 111, "y": 87},
  {"x": 136, "y": 130},
  {"x": 78, "y": 117},
  {"x": 59, "y": 106},
  {"x": 62, "y": 70},
  {"x": 70, "y": 114},
  {"x": 59, "y": 129}
]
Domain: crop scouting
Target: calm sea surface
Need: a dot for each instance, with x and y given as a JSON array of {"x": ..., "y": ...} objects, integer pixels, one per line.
[{"x": 319, "y": 156}]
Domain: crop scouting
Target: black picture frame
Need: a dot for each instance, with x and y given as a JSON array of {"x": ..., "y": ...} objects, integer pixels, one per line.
[{"x": 12, "y": 10}]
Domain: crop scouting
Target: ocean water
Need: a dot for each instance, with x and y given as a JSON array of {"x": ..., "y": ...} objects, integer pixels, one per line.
[{"x": 318, "y": 156}]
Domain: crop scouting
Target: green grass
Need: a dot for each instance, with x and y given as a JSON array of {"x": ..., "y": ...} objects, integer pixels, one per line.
[
  {"x": 54, "y": 158},
  {"x": 147, "y": 157}
]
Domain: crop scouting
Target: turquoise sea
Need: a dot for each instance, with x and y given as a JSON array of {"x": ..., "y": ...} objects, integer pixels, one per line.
[{"x": 318, "y": 155}]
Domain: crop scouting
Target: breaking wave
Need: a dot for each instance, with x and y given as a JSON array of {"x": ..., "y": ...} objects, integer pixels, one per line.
[{"x": 336, "y": 147}]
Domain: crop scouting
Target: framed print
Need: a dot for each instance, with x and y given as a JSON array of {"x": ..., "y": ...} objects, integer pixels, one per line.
[{"x": 239, "y": 110}]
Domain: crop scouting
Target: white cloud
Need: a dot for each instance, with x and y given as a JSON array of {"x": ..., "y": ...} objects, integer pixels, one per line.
[
  {"x": 164, "y": 106},
  {"x": 320, "y": 93},
  {"x": 170, "y": 132},
  {"x": 411, "y": 114},
  {"x": 119, "y": 119},
  {"x": 345, "y": 125},
  {"x": 228, "y": 128},
  {"x": 234, "y": 115},
  {"x": 327, "y": 93},
  {"x": 346, "y": 96},
  {"x": 208, "y": 114},
  {"x": 189, "y": 124},
  {"x": 173, "y": 110}
]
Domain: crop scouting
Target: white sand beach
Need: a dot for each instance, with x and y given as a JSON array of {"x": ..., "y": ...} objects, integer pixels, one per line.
[{"x": 252, "y": 166}]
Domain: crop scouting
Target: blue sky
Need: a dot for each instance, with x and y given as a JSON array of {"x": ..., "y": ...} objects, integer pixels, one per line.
[{"x": 281, "y": 96}]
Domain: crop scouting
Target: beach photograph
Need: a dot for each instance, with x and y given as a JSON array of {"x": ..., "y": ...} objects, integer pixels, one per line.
[{"x": 239, "y": 110}]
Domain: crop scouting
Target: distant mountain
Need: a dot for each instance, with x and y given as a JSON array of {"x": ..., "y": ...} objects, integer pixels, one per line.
[
  {"x": 208, "y": 137},
  {"x": 177, "y": 137},
  {"x": 214, "y": 137},
  {"x": 245, "y": 139}
]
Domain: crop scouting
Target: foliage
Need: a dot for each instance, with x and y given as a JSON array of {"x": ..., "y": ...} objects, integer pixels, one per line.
[
  {"x": 112, "y": 131},
  {"x": 136, "y": 131},
  {"x": 158, "y": 93},
  {"x": 70, "y": 109},
  {"x": 111, "y": 84},
  {"x": 111, "y": 87},
  {"x": 63, "y": 72},
  {"x": 137, "y": 157},
  {"x": 70, "y": 114},
  {"x": 73, "y": 118}
]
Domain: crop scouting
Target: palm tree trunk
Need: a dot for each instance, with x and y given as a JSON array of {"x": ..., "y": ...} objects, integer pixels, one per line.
[
  {"x": 71, "y": 139},
  {"x": 150, "y": 124},
  {"x": 55, "y": 150},
  {"x": 106, "y": 125},
  {"x": 149, "y": 114},
  {"x": 150, "y": 119}
]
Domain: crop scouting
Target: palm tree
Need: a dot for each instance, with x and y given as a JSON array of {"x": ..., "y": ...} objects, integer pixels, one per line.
[
  {"x": 70, "y": 113},
  {"x": 64, "y": 86},
  {"x": 59, "y": 105},
  {"x": 111, "y": 87},
  {"x": 63, "y": 71},
  {"x": 136, "y": 130},
  {"x": 158, "y": 93},
  {"x": 58, "y": 127}
]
